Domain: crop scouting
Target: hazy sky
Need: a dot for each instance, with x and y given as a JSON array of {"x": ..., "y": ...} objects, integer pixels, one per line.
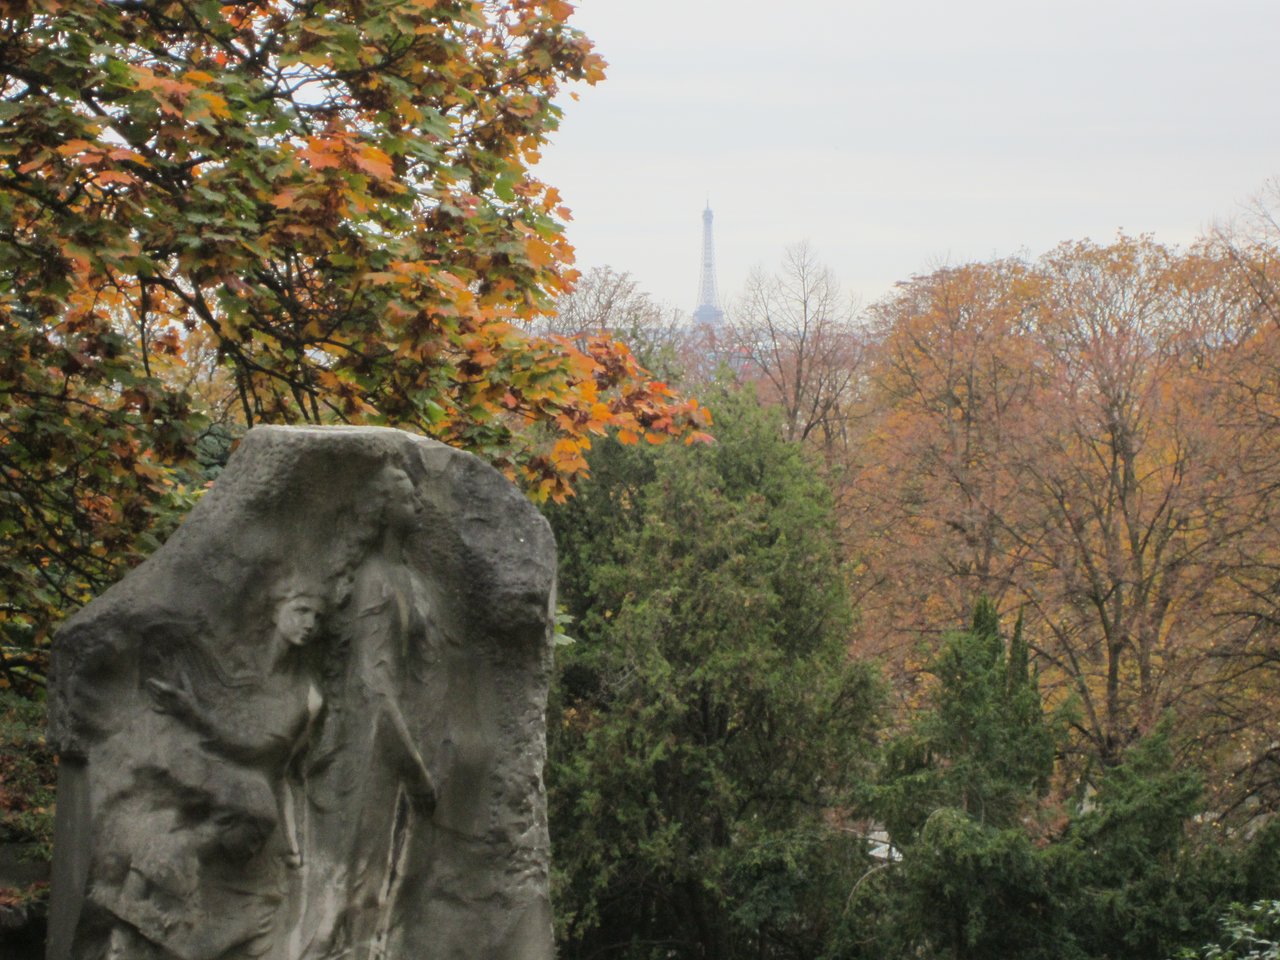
[{"x": 899, "y": 136}]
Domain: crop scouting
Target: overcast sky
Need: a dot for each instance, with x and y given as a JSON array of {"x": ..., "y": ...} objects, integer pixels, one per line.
[{"x": 899, "y": 136}]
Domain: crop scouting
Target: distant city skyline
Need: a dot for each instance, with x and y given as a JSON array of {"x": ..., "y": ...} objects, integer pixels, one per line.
[{"x": 896, "y": 137}]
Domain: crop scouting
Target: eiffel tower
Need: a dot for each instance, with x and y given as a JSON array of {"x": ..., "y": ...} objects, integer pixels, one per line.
[{"x": 708, "y": 312}]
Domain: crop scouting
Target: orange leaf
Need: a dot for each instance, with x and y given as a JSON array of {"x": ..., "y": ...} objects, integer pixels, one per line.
[
  {"x": 75, "y": 146},
  {"x": 320, "y": 155},
  {"x": 115, "y": 176},
  {"x": 374, "y": 162}
]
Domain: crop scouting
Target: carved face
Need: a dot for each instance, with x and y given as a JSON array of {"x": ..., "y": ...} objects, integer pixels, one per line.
[
  {"x": 297, "y": 620},
  {"x": 401, "y": 499}
]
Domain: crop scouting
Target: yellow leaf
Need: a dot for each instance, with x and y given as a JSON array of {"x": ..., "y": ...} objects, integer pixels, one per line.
[{"x": 217, "y": 104}]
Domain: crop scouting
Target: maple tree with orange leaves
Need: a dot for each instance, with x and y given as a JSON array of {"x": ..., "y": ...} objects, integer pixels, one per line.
[{"x": 278, "y": 212}]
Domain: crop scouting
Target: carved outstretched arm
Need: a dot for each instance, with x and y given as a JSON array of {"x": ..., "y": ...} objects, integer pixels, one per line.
[
  {"x": 179, "y": 702},
  {"x": 240, "y": 742}
]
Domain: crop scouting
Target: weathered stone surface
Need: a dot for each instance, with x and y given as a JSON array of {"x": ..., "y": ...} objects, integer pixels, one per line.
[{"x": 310, "y": 727}]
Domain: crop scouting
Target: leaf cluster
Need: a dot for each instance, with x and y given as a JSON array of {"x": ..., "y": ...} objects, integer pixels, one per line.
[
  {"x": 1249, "y": 932},
  {"x": 217, "y": 214}
]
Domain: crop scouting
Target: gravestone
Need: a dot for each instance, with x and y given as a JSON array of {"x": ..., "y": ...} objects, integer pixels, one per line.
[{"x": 311, "y": 725}]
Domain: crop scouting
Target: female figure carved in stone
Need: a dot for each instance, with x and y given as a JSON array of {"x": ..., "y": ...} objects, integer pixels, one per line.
[
  {"x": 219, "y": 809},
  {"x": 267, "y": 729},
  {"x": 378, "y": 787}
]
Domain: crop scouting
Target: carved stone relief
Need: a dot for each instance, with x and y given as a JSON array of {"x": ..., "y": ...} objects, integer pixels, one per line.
[{"x": 310, "y": 727}]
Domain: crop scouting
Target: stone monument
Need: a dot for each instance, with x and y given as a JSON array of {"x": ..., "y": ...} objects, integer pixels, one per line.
[{"x": 311, "y": 726}]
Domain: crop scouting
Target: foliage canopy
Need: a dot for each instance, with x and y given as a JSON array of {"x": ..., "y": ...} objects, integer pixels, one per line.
[{"x": 277, "y": 211}]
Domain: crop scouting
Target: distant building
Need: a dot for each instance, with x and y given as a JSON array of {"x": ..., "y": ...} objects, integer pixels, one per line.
[{"x": 708, "y": 312}]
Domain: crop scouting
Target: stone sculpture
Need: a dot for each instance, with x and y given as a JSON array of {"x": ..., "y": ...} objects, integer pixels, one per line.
[{"x": 310, "y": 727}]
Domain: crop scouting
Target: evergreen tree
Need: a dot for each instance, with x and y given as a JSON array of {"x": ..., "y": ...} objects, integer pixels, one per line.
[
  {"x": 1132, "y": 870},
  {"x": 1137, "y": 876},
  {"x": 708, "y": 728},
  {"x": 954, "y": 792},
  {"x": 983, "y": 745}
]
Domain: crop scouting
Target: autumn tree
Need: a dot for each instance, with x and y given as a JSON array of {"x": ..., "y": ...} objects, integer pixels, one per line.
[
  {"x": 326, "y": 208},
  {"x": 1065, "y": 437},
  {"x": 794, "y": 334},
  {"x": 1248, "y": 398},
  {"x": 220, "y": 214},
  {"x": 1252, "y": 242},
  {"x": 1132, "y": 471},
  {"x": 949, "y": 375}
]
